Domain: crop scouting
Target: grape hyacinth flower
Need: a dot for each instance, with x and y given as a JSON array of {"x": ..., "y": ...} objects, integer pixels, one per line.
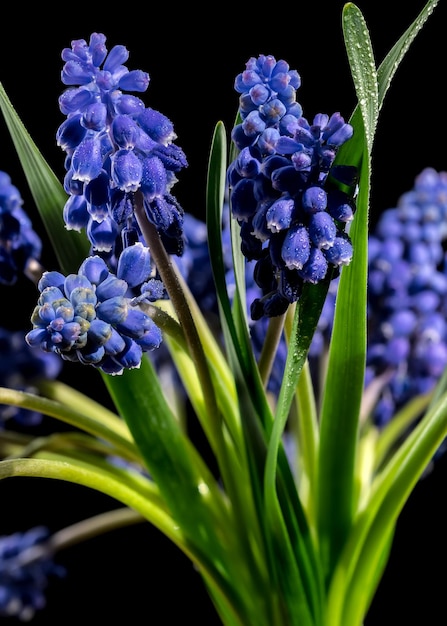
[
  {"x": 26, "y": 565},
  {"x": 20, "y": 367},
  {"x": 407, "y": 303},
  {"x": 407, "y": 300},
  {"x": 88, "y": 317},
  {"x": 283, "y": 491},
  {"x": 284, "y": 189},
  {"x": 116, "y": 149},
  {"x": 20, "y": 245},
  {"x": 268, "y": 95}
]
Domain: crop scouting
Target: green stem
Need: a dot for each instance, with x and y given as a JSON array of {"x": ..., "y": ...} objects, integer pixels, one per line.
[
  {"x": 272, "y": 339},
  {"x": 171, "y": 282},
  {"x": 308, "y": 438},
  {"x": 100, "y": 425},
  {"x": 68, "y": 396},
  {"x": 355, "y": 574},
  {"x": 396, "y": 428},
  {"x": 82, "y": 531}
]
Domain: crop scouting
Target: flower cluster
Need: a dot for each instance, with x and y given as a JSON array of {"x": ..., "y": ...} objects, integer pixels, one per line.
[
  {"x": 88, "y": 317},
  {"x": 407, "y": 299},
  {"x": 20, "y": 245},
  {"x": 26, "y": 565},
  {"x": 285, "y": 191},
  {"x": 20, "y": 367},
  {"x": 408, "y": 295},
  {"x": 119, "y": 152}
]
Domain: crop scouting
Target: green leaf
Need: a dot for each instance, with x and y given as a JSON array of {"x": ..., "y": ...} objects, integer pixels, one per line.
[
  {"x": 257, "y": 418},
  {"x": 103, "y": 425},
  {"x": 363, "y": 69},
  {"x": 237, "y": 341},
  {"x": 388, "y": 67},
  {"x": 344, "y": 383},
  {"x": 129, "y": 488},
  {"x": 357, "y": 587},
  {"x": 351, "y": 151},
  {"x": 299, "y": 564},
  {"x": 355, "y": 575},
  {"x": 138, "y": 396}
]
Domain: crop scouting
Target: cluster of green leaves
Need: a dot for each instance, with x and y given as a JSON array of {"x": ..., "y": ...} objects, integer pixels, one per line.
[{"x": 272, "y": 548}]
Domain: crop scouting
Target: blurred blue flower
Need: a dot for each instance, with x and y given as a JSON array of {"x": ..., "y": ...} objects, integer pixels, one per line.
[
  {"x": 20, "y": 368},
  {"x": 407, "y": 298},
  {"x": 26, "y": 565},
  {"x": 20, "y": 245}
]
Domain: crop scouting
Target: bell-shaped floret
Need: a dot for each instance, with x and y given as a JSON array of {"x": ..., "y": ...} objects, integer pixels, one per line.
[
  {"x": 280, "y": 214},
  {"x": 102, "y": 235},
  {"x": 134, "y": 264},
  {"x": 126, "y": 170},
  {"x": 87, "y": 159},
  {"x": 296, "y": 247},
  {"x": 340, "y": 253},
  {"x": 322, "y": 230},
  {"x": 315, "y": 268}
]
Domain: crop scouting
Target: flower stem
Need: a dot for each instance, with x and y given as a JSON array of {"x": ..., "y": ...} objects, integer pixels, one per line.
[
  {"x": 173, "y": 287},
  {"x": 81, "y": 531},
  {"x": 272, "y": 339}
]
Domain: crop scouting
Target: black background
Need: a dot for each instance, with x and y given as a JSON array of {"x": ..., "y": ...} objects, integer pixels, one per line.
[{"x": 192, "y": 57}]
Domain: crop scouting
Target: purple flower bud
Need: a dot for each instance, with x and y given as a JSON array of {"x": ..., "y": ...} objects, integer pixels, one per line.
[
  {"x": 243, "y": 202},
  {"x": 151, "y": 338},
  {"x": 135, "y": 80},
  {"x": 70, "y": 133},
  {"x": 125, "y": 131},
  {"x": 153, "y": 178},
  {"x": 341, "y": 251},
  {"x": 116, "y": 57},
  {"x": 102, "y": 235},
  {"x": 134, "y": 264},
  {"x": 75, "y": 99},
  {"x": 87, "y": 159},
  {"x": 314, "y": 199},
  {"x": 279, "y": 214},
  {"x": 75, "y": 213},
  {"x": 295, "y": 250},
  {"x": 94, "y": 116},
  {"x": 246, "y": 164},
  {"x": 130, "y": 357},
  {"x": 322, "y": 230},
  {"x": 315, "y": 268},
  {"x": 268, "y": 140},
  {"x": 126, "y": 170},
  {"x": 113, "y": 310},
  {"x": 253, "y": 124}
]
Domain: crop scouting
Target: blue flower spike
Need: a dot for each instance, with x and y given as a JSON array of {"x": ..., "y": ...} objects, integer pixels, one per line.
[
  {"x": 26, "y": 567},
  {"x": 89, "y": 317},
  {"x": 20, "y": 245},
  {"x": 116, "y": 148},
  {"x": 282, "y": 189}
]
